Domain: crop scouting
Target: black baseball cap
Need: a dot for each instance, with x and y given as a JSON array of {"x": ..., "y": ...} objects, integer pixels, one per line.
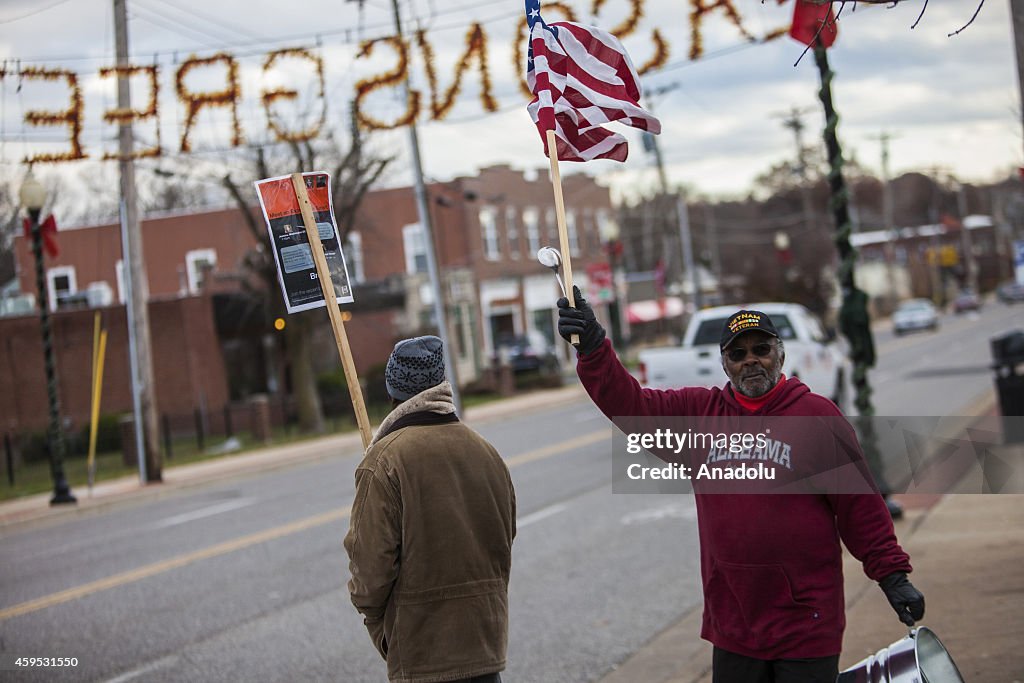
[{"x": 745, "y": 321}]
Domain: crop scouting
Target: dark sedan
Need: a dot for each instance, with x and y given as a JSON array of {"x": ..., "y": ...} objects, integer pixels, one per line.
[
  {"x": 966, "y": 301},
  {"x": 528, "y": 353}
]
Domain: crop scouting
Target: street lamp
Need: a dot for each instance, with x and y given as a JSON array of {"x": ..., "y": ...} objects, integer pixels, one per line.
[
  {"x": 785, "y": 256},
  {"x": 33, "y": 196}
]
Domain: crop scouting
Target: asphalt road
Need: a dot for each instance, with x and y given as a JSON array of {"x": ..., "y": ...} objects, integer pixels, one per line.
[{"x": 246, "y": 580}]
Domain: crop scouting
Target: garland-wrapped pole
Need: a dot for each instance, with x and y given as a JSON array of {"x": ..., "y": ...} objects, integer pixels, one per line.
[{"x": 854, "y": 319}]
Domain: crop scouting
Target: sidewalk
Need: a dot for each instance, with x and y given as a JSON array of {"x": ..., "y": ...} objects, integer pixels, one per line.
[
  {"x": 36, "y": 508},
  {"x": 968, "y": 556}
]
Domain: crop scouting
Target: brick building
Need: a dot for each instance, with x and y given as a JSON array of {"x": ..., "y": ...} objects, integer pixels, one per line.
[
  {"x": 931, "y": 261},
  {"x": 487, "y": 231}
]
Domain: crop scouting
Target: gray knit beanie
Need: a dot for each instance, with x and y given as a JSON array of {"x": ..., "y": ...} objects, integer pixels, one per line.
[{"x": 415, "y": 365}]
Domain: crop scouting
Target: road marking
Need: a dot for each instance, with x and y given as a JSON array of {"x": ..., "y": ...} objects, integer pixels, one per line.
[
  {"x": 161, "y": 663},
  {"x": 554, "y": 449},
  {"x": 243, "y": 542},
  {"x": 204, "y": 512},
  {"x": 173, "y": 563},
  {"x": 543, "y": 513},
  {"x": 670, "y": 511}
]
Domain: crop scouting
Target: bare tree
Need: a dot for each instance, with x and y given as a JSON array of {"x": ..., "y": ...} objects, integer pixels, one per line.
[
  {"x": 353, "y": 172},
  {"x": 10, "y": 223}
]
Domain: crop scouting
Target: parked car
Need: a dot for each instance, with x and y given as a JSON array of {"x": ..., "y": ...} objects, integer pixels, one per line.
[
  {"x": 915, "y": 314},
  {"x": 530, "y": 352},
  {"x": 967, "y": 300},
  {"x": 1011, "y": 292}
]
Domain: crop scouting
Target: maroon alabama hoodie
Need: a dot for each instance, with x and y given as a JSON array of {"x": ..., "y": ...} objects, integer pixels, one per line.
[{"x": 771, "y": 564}]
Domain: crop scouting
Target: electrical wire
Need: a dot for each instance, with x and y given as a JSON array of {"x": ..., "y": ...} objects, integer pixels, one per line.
[
  {"x": 216, "y": 21},
  {"x": 146, "y": 12},
  {"x": 32, "y": 13}
]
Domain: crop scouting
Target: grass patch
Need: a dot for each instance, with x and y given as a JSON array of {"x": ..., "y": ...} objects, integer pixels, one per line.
[{"x": 34, "y": 477}]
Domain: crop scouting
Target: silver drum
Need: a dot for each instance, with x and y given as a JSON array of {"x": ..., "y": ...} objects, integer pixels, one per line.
[{"x": 917, "y": 658}]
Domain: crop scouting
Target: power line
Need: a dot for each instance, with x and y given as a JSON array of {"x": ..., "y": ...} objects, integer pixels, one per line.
[
  {"x": 217, "y": 21},
  {"x": 154, "y": 17},
  {"x": 32, "y": 13}
]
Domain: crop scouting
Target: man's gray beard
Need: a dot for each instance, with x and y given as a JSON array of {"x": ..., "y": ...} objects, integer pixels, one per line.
[{"x": 758, "y": 386}]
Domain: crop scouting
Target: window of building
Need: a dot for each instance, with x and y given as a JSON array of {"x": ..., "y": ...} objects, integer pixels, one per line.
[
  {"x": 122, "y": 293},
  {"x": 460, "y": 323},
  {"x": 570, "y": 229},
  {"x": 512, "y": 230},
  {"x": 544, "y": 322},
  {"x": 60, "y": 282},
  {"x": 531, "y": 222},
  {"x": 551, "y": 227},
  {"x": 199, "y": 263},
  {"x": 489, "y": 233},
  {"x": 354, "y": 256},
  {"x": 415, "y": 248}
]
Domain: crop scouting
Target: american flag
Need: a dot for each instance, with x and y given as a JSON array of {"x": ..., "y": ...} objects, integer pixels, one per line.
[{"x": 581, "y": 78}]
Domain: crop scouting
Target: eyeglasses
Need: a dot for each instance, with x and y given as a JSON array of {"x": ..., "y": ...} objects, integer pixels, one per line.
[{"x": 760, "y": 350}]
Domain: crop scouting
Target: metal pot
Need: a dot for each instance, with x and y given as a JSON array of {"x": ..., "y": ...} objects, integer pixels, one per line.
[{"x": 917, "y": 658}]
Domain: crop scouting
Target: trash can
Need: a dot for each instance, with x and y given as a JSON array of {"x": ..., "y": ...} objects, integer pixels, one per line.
[{"x": 1008, "y": 364}]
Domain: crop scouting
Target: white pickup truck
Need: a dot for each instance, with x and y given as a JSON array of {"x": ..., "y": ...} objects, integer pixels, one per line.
[{"x": 817, "y": 361}]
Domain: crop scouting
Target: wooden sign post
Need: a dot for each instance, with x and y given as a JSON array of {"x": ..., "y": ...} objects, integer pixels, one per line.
[{"x": 327, "y": 286}]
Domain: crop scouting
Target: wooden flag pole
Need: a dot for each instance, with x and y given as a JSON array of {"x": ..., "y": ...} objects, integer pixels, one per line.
[
  {"x": 563, "y": 234},
  {"x": 327, "y": 286}
]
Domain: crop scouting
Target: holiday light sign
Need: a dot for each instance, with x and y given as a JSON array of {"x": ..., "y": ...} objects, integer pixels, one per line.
[{"x": 226, "y": 94}]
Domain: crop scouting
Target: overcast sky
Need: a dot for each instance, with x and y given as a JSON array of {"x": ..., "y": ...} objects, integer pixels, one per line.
[{"x": 949, "y": 102}]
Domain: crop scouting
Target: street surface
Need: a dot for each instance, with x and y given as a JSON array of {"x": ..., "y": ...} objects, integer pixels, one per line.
[{"x": 245, "y": 580}]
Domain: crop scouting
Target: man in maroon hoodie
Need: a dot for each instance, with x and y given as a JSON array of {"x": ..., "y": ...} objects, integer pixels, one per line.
[{"x": 771, "y": 564}]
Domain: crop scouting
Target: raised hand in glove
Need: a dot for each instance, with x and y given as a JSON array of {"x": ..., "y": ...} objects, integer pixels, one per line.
[
  {"x": 904, "y": 598},
  {"x": 580, "y": 320}
]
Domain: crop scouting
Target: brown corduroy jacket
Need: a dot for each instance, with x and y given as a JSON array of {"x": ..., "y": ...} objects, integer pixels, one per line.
[{"x": 430, "y": 545}]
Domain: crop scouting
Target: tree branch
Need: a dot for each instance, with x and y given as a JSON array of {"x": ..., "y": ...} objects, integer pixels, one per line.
[{"x": 975, "y": 16}]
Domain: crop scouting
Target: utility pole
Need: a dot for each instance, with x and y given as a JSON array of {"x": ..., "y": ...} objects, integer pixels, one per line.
[
  {"x": 793, "y": 120},
  {"x": 887, "y": 218},
  {"x": 966, "y": 243},
  {"x": 146, "y": 424},
  {"x": 712, "y": 232},
  {"x": 682, "y": 209},
  {"x": 1017, "y": 12},
  {"x": 423, "y": 208}
]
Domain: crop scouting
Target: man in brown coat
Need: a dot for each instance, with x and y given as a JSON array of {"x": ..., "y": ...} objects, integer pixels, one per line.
[{"x": 430, "y": 540}]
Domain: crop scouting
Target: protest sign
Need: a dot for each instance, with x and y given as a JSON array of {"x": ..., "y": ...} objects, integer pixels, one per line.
[{"x": 296, "y": 269}]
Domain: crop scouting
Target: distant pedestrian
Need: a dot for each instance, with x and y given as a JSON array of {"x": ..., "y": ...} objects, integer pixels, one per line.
[
  {"x": 771, "y": 565},
  {"x": 430, "y": 539}
]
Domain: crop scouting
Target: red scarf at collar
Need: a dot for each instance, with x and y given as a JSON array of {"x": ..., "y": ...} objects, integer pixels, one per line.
[{"x": 754, "y": 404}]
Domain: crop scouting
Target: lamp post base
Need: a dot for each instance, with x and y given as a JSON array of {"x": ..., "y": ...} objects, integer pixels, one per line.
[{"x": 62, "y": 494}]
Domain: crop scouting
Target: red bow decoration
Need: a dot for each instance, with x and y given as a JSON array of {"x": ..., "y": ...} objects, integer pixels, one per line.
[
  {"x": 814, "y": 22},
  {"x": 48, "y": 230}
]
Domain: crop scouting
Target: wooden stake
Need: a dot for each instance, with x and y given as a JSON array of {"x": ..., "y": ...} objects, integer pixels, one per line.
[
  {"x": 563, "y": 234},
  {"x": 323, "y": 274}
]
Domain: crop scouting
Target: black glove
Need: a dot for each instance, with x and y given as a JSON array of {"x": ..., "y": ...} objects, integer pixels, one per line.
[
  {"x": 904, "y": 598},
  {"x": 580, "y": 320}
]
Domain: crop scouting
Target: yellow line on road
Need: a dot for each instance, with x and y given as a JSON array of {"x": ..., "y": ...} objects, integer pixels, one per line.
[
  {"x": 252, "y": 539},
  {"x": 173, "y": 563},
  {"x": 548, "y": 451}
]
